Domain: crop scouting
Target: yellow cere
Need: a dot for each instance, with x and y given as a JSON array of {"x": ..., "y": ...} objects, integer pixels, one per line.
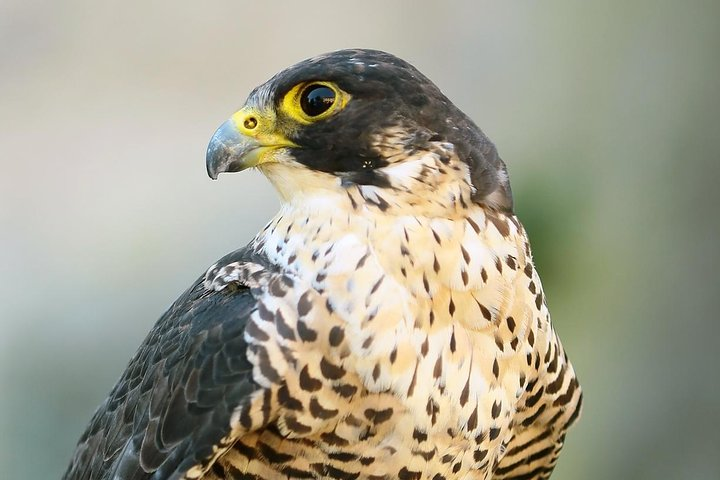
[
  {"x": 260, "y": 125},
  {"x": 252, "y": 123}
]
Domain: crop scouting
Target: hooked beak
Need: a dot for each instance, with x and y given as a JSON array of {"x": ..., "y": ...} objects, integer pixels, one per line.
[
  {"x": 231, "y": 151},
  {"x": 247, "y": 140}
]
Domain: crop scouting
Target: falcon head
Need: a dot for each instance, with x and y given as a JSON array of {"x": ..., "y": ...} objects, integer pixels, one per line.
[{"x": 360, "y": 119}]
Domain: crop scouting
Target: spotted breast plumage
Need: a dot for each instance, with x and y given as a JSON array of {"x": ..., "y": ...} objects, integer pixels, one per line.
[{"x": 388, "y": 323}]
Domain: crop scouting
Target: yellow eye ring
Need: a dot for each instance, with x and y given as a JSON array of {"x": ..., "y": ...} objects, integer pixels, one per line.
[{"x": 309, "y": 102}]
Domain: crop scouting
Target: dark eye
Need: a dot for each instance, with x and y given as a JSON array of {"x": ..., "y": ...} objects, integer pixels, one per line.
[{"x": 317, "y": 99}]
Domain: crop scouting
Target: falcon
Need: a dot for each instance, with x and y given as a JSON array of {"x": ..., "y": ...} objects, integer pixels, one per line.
[{"x": 387, "y": 323}]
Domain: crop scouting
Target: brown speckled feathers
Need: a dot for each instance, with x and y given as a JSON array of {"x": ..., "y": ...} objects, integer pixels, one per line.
[{"x": 388, "y": 323}]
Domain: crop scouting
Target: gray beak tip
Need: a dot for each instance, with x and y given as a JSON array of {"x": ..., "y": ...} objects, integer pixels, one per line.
[{"x": 229, "y": 151}]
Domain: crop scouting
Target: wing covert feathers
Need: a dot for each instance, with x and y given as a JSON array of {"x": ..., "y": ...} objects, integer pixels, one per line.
[{"x": 172, "y": 407}]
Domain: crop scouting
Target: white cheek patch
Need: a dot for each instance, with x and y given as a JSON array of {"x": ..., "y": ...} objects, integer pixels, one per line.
[
  {"x": 292, "y": 179},
  {"x": 426, "y": 182}
]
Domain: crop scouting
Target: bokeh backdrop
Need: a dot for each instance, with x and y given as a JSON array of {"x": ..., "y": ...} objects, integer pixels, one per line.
[{"x": 607, "y": 114}]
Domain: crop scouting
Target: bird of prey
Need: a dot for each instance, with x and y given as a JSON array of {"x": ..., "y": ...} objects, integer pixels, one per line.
[{"x": 387, "y": 323}]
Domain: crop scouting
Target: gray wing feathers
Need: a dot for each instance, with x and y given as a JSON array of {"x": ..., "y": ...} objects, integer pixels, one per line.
[{"x": 176, "y": 397}]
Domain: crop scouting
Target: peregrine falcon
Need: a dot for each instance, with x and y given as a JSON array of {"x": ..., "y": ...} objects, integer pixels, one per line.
[{"x": 387, "y": 323}]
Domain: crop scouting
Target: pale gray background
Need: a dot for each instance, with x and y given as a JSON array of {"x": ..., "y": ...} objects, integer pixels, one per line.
[{"x": 606, "y": 113}]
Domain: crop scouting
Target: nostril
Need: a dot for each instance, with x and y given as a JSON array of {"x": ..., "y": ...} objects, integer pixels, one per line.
[{"x": 250, "y": 123}]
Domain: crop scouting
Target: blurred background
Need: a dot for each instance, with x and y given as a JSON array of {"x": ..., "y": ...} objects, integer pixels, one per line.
[{"x": 605, "y": 112}]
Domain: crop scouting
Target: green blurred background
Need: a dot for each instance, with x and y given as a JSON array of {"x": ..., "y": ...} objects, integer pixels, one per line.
[{"x": 606, "y": 113}]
